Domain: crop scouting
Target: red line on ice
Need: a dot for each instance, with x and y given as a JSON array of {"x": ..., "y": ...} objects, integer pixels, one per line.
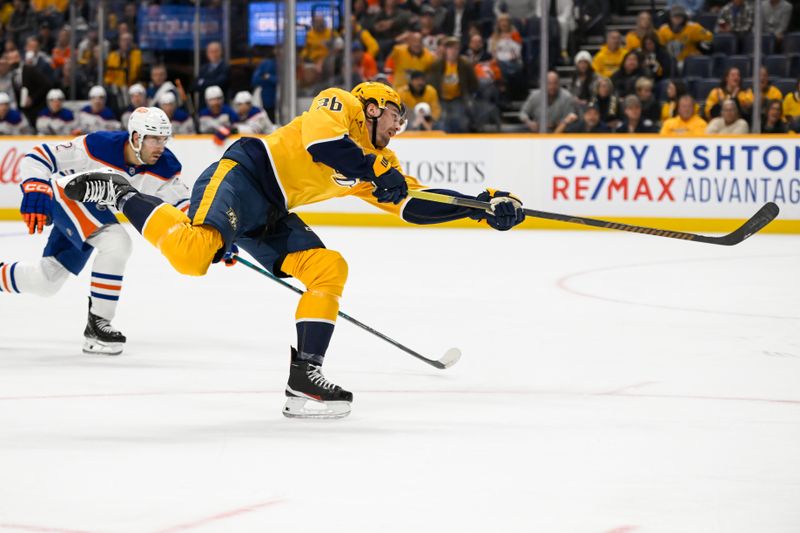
[
  {"x": 562, "y": 284},
  {"x": 221, "y": 516}
]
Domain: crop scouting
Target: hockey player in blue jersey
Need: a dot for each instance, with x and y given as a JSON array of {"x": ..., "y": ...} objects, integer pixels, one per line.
[
  {"x": 217, "y": 115},
  {"x": 97, "y": 116},
  {"x": 55, "y": 119},
  {"x": 12, "y": 122},
  {"x": 79, "y": 229}
]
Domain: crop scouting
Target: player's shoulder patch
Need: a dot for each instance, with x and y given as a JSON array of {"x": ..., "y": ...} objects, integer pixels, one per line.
[
  {"x": 180, "y": 115},
  {"x": 254, "y": 111},
  {"x": 86, "y": 109},
  {"x": 205, "y": 112},
  {"x": 66, "y": 115}
]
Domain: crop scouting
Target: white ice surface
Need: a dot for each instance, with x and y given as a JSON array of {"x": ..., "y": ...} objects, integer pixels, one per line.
[{"x": 609, "y": 383}]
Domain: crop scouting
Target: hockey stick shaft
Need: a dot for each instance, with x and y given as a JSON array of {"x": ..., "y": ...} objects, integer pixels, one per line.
[
  {"x": 764, "y": 216},
  {"x": 432, "y": 362}
]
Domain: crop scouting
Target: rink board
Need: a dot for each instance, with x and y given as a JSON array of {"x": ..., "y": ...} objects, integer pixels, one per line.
[{"x": 691, "y": 184}]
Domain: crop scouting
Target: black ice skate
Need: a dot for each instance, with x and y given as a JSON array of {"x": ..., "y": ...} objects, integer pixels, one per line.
[
  {"x": 101, "y": 337},
  {"x": 310, "y": 395},
  {"x": 102, "y": 187}
]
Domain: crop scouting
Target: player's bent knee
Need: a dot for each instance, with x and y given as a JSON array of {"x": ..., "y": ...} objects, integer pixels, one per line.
[
  {"x": 113, "y": 240},
  {"x": 44, "y": 278},
  {"x": 319, "y": 269},
  {"x": 190, "y": 249}
]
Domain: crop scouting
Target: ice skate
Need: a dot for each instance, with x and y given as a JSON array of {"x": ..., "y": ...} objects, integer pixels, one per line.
[
  {"x": 101, "y": 337},
  {"x": 102, "y": 187},
  {"x": 310, "y": 395}
]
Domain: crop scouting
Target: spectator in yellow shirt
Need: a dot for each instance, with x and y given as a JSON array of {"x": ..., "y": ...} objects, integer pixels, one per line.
[
  {"x": 681, "y": 37},
  {"x": 687, "y": 122},
  {"x": 418, "y": 91},
  {"x": 730, "y": 86},
  {"x": 454, "y": 79},
  {"x": 409, "y": 56},
  {"x": 609, "y": 58},
  {"x": 768, "y": 91},
  {"x": 644, "y": 25},
  {"x": 791, "y": 105},
  {"x": 363, "y": 36},
  {"x": 317, "y": 40},
  {"x": 124, "y": 65}
]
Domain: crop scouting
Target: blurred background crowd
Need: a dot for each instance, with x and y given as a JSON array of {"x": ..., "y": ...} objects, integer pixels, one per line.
[{"x": 217, "y": 66}]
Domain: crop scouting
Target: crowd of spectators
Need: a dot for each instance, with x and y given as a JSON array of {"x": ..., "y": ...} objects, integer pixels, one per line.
[
  {"x": 660, "y": 79},
  {"x": 457, "y": 64}
]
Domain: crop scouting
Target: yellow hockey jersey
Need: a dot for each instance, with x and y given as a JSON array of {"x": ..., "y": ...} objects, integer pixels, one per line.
[{"x": 333, "y": 115}]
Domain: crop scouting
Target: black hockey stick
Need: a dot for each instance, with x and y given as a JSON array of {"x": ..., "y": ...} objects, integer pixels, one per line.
[
  {"x": 763, "y": 216},
  {"x": 450, "y": 357}
]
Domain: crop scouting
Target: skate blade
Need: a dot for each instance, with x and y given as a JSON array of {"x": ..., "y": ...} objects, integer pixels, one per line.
[
  {"x": 312, "y": 409},
  {"x": 94, "y": 346}
]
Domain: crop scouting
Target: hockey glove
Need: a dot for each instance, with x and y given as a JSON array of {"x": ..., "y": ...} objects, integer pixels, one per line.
[
  {"x": 229, "y": 258},
  {"x": 37, "y": 204},
  {"x": 505, "y": 210},
  {"x": 390, "y": 184}
]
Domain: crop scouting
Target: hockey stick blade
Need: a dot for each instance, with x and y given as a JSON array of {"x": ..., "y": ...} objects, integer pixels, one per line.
[
  {"x": 756, "y": 223},
  {"x": 450, "y": 357},
  {"x": 764, "y": 216}
]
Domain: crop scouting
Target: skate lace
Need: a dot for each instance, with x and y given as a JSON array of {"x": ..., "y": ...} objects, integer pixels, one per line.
[
  {"x": 315, "y": 376},
  {"x": 105, "y": 325},
  {"x": 100, "y": 191}
]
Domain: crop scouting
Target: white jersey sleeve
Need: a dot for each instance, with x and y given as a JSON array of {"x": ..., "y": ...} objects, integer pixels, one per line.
[
  {"x": 63, "y": 158},
  {"x": 54, "y": 126},
  {"x": 258, "y": 123},
  {"x": 17, "y": 127},
  {"x": 89, "y": 123},
  {"x": 185, "y": 127}
]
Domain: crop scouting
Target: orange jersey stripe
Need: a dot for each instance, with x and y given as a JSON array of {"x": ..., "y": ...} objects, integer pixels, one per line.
[
  {"x": 5, "y": 279},
  {"x": 87, "y": 227},
  {"x": 41, "y": 153},
  {"x": 109, "y": 287}
]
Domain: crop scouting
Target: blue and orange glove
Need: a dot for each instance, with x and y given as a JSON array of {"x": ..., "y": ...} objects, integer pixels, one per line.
[
  {"x": 390, "y": 184},
  {"x": 505, "y": 209},
  {"x": 37, "y": 204}
]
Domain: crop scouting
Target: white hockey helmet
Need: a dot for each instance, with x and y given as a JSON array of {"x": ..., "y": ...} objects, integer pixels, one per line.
[
  {"x": 97, "y": 92},
  {"x": 136, "y": 88},
  {"x": 213, "y": 92},
  {"x": 167, "y": 97},
  {"x": 147, "y": 121},
  {"x": 243, "y": 97},
  {"x": 4, "y": 98},
  {"x": 55, "y": 94}
]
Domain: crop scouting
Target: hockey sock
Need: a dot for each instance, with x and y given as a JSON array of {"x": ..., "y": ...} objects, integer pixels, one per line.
[
  {"x": 113, "y": 251},
  {"x": 324, "y": 273},
  {"x": 313, "y": 338},
  {"x": 43, "y": 277}
]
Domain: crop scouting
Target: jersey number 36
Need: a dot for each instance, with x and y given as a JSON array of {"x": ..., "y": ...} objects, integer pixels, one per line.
[{"x": 331, "y": 103}]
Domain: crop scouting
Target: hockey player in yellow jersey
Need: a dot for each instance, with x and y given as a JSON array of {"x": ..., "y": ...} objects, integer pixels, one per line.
[{"x": 336, "y": 148}]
